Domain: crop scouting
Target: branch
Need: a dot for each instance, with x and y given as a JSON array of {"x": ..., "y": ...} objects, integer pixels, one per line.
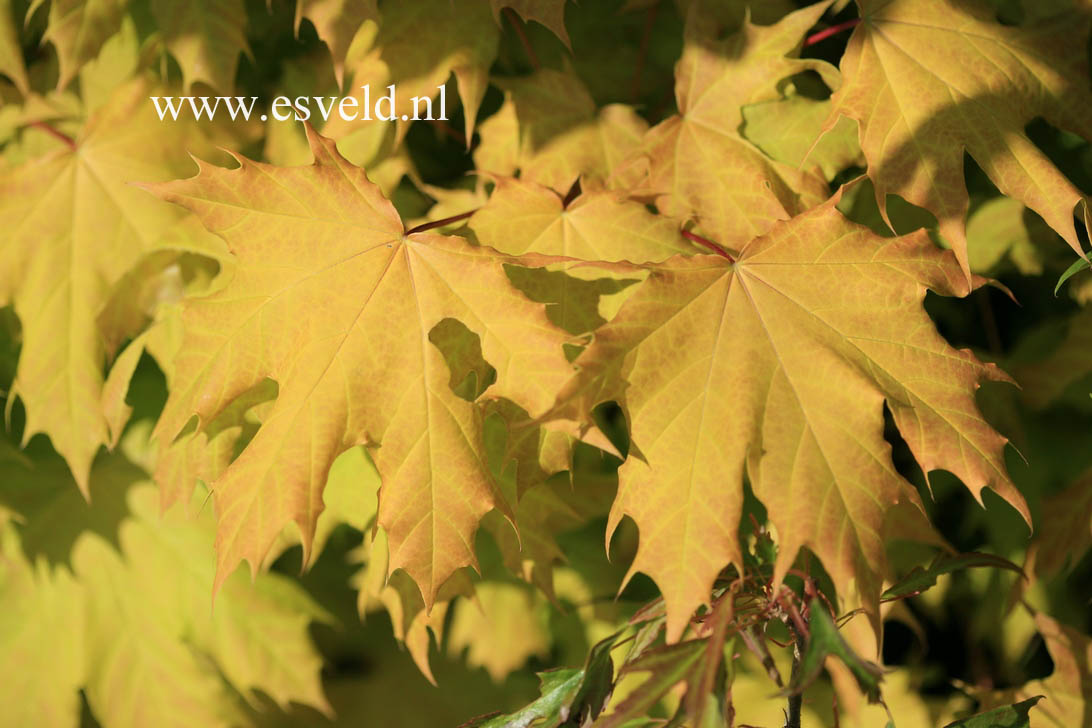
[
  {"x": 517, "y": 24},
  {"x": 58, "y": 135},
  {"x": 832, "y": 30},
  {"x": 707, "y": 243},
  {"x": 796, "y": 700}
]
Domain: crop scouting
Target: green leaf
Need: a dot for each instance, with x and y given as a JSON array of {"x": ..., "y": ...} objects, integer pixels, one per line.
[
  {"x": 919, "y": 579},
  {"x": 1008, "y": 716},
  {"x": 825, "y": 641},
  {"x": 1078, "y": 265},
  {"x": 558, "y": 687},
  {"x": 570, "y": 696}
]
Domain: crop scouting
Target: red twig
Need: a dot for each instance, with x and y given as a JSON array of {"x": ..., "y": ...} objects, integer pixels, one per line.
[
  {"x": 439, "y": 223},
  {"x": 59, "y": 135},
  {"x": 832, "y": 30},
  {"x": 449, "y": 130},
  {"x": 517, "y": 24},
  {"x": 642, "y": 54},
  {"x": 707, "y": 243}
]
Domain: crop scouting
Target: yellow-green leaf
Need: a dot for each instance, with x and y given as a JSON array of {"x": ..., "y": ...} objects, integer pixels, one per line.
[
  {"x": 74, "y": 226},
  {"x": 205, "y": 37},
  {"x": 11, "y": 53},
  {"x": 790, "y": 130},
  {"x": 77, "y": 29},
  {"x": 501, "y": 628}
]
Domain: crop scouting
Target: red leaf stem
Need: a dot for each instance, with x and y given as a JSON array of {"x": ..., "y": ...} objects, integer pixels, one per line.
[
  {"x": 439, "y": 223},
  {"x": 517, "y": 24},
  {"x": 832, "y": 30},
  {"x": 706, "y": 243},
  {"x": 59, "y": 135},
  {"x": 444, "y": 128}
]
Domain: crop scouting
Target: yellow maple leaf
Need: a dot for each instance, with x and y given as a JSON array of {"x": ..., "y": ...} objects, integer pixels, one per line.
[
  {"x": 335, "y": 301},
  {"x": 928, "y": 80},
  {"x": 500, "y": 629},
  {"x": 337, "y": 23},
  {"x": 77, "y": 29},
  {"x": 75, "y": 225},
  {"x": 697, "y": 164},
  {"x": 550, "y": 129},
  {"x": 11, "y": 54},
  {"x": 779, "y": 363},
  {"x": 603, "y": 225}
]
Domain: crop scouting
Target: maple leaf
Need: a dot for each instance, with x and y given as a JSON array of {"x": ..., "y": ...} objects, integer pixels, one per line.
[
  {"x": 1068, "y": 689},
  {"x": 790, "y": 130},
  {"x": 696, "y": 164},
  {"x": 1069, "y": 535},
  {"x": 696, "y": 662},
  {"x": 524, "y": 456},
  {"x": 421, "y": 44},
  {"x": 1009, "y": 716},
  {"x": 11, "y": 54},
  {"x": 1043, "y": 382},
  {"x": 754, "y": 364},
  {"x": 396, "y": 592},
  {"x": 522, "y": 217},
  {"x": 75, "y": 226},
  {"x": 500, "y": 629},
  {"x": 335, "y": 302},
  {"x": 567, "y": 694},
  {"x": 550, "y": 129},
  {"x": 1003, "y": 227},
  {"x": 48, "y": 640},
  {"x": 205, "y": 37},
  {"x": 337, "y": 23},
  {"x": 928, "y": 81},
  {"x": 77, "y": 29},
  {"x": 550, "y": 13},
  {"x": 130, "y": 622}
]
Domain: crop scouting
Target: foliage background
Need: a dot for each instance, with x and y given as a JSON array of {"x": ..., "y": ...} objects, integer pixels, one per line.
[{"x": 105, "y": 604}]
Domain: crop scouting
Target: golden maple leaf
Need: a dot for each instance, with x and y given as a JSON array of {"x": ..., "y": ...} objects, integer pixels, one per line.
[
  {"x": 929, "y": 80},
  {"x": 779, "y": 365},
  {"x": 522, "y": 216},
  {"x": 696, "y": 164},
  {"x": 335, "y": 301}
]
